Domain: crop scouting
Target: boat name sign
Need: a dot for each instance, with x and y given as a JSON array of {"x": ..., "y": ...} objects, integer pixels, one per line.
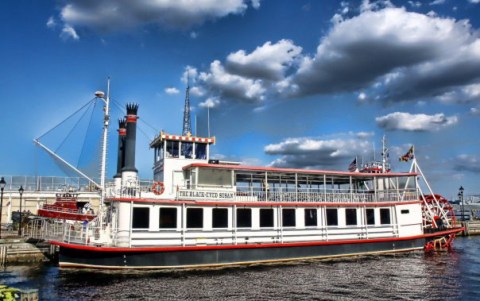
[{"x": 210, "y": 195}]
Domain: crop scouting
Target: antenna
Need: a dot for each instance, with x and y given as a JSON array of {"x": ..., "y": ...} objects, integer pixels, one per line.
[{"x": 187, "y": 124}]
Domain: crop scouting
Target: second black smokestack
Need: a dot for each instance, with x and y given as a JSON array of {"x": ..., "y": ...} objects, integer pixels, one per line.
[
  {"x": 122, "y": 132},
  {"x": 131, "y": 138}
]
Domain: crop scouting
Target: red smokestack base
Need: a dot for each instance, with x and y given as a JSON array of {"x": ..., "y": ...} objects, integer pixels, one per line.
[{"x": 122, "y": 132}]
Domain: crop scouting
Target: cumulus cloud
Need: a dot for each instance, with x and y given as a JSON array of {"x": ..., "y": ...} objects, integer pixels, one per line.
[
  {"x": 402, "y": 55},
  {"x": 171, "y": 90},
  {"x": 69, "y": 32},
  {"x": 233, "y": 86},
  {"x": 466, "y": 162},
  {"x": 210, "y": 102},
  {"x": 115, "y": 15},
  {"x": 466, "y": 94},
  {"x": 400, "y": 121},
  {"x": 415, "y": 3},
  {"x": 268, "y": 61},
  {"x": 474, "y": 1},
  {"x": 317, "y": 153}
]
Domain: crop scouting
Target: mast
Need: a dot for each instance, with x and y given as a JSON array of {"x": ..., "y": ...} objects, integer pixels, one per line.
[
  {"x": 384, "y": 154},
  {"x": 106, "y": 120}
]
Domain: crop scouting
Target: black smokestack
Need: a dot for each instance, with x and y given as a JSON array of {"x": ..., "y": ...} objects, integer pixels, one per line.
[
  {"x": 131, "y": 138},
  {"x": 122, "y": 132}
]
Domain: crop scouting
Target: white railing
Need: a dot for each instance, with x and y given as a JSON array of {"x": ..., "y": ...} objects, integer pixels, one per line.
[{"x": 298, "y": 196}]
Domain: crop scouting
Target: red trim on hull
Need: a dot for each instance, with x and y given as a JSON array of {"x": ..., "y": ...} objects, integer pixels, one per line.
[
  {"x": 251, "y": 246},
  {"x": 65, "y": 215}
]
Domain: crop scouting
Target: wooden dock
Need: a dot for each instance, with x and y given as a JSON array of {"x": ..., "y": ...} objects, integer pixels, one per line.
[
  {"x": 22, "y": 250},
  {"x": 472, "y": 227}
]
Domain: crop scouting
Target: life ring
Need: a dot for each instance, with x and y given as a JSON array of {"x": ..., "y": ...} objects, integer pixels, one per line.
[{"x": 158, "y": 188}]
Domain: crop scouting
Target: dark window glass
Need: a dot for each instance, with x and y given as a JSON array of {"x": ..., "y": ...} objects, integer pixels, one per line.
[
  {"x": 385, "y": 216},
  {"x": 200, "y": 151},
  {"x": 405, "y": 211},
  {"x": 266, "y": 218},
  {"x": 220, "y": 218},
  {"x": 288, "y": 217},
  {"x": 187, "y": 149},
  {"x": 244, "y": 218},
  {"x": 172, "y": 149},
  {"x": 168, "y": 218},
  {"x": 370, "y": 216},
  {"x": 141, "y": 218},
  {"x": 332, "y": 217},
  {"x": 310, "y": 217},
  {"x": 350, "y": 217},
  {"x": 194, "y": 217}
]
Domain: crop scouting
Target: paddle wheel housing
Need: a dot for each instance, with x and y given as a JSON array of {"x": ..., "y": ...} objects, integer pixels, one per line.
[{"x": 438, "y": 215}]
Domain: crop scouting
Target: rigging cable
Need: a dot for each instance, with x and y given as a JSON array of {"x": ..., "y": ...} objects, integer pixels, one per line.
[
  {"x": 71, "y": 130},
  {"x": 67, "y": 118}
]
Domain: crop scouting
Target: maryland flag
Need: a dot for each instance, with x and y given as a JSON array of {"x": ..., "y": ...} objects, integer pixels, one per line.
[{"x": 408, "y": 156}]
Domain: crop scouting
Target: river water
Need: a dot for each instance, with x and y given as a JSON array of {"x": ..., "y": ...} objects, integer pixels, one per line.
[{"x": 413, "y": 276}]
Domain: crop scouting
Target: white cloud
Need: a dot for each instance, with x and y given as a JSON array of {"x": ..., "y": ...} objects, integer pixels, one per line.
[
  {"x": 69, "y": 33},
  {"x": 268, "y": 61},
  {"x": 51, "y": 23},
  {"x": 318, "y": 153},
  {"x": 437, "y": 2},
  {"x": 231, "y": 85},
  {"x": 171, "y": 90},
  {"x": 189, "y": 75},
  {"x": 210, "y": 102},
  {"x": 475, "y": 111},
  {"x": 400, "y": 121},
  {"x": 193, "y": 35},
  {"x": 115, "y": 15},
  {"x": 415, "y": 3},
  {"x": 474, "y": 1},
  {"x": 466, "y": 162},
  {"x": 428, "y": 56}
]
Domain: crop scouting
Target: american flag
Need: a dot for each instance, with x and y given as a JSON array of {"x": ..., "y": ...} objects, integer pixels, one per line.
[{"x": 353, "y": 166}]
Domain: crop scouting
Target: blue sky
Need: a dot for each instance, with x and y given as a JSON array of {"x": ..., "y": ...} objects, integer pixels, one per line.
[{"x": 308, "y": 84}]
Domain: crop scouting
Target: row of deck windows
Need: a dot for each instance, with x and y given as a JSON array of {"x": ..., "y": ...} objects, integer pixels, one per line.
[{"x": 195, "y": 217}]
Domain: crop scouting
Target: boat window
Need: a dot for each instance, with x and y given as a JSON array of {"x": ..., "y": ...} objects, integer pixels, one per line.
[
  {"x": 351, "y": 217},
  {"x": 187, "y": 150},
  {"x": 332, "y": 217},
  {"x": 288, "y": 217},
  {"x": 405, "y": 211},
  {"x": 212, "y": 177},
  {"x": 172, "y": 149},
  {"x": 201, "y": 151},
  {"x": 310, "y": 217},
  {"x": 168, "y": 218},
  {"x": 194, "y": 217},
  {"x": 266, "y": 218},
  {"x": 370, "y": 216},
  {"x": 220, "y": 218},
  {"x": 141, "y": 218},
  {"x": 158, "y": 153},
  {"x": 244, "y": 218},
  {"x": 385, "y": 216}
]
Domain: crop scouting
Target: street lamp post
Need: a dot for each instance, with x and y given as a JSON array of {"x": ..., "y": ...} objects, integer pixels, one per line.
[
  {"x": 2, "y": 187},
  {"x": 20, "y": 191},
  {"x": 460, "y": 196}
]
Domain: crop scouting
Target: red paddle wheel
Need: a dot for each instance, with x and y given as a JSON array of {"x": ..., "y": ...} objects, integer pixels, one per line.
[{"x": 438, "y": 215}]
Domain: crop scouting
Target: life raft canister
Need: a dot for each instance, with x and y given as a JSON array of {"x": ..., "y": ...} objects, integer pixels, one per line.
[{"x": 158, "y": 188}]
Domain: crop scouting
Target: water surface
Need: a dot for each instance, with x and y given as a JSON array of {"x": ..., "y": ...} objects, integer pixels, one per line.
[{"x": 413, "y": 276}]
